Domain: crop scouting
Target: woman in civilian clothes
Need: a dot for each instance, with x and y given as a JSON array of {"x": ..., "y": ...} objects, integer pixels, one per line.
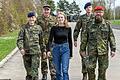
[{"x": 60, "y": 35}]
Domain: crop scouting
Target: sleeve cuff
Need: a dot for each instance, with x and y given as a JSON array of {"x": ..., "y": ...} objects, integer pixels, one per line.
[{"x": 114, "y": 49}]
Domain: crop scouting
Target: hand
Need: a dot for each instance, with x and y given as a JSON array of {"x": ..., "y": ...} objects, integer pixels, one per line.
[
  {"x": 75, "y": 43},
  {"x": 44, "y": 55},
  {"x": 83, "y": 54},
  {"x": 22, "y": 51},
  {"x": 112, "y": 54},
  {"x": 48, "y": 54}
]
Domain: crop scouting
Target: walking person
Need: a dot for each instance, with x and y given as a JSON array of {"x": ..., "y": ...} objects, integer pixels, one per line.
[
  {"x": 46, "y": 21},
  {"x": 61, "y": 39},
  {"x": 59, "y": 11},
  {"x": 80, "y": 26},
  {"x": 98, "y": 38},
  {"x": 30, "y": 44}
]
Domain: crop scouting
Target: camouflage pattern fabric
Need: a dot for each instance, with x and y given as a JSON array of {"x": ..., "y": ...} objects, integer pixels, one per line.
[
  {"x": 46, "y": 23},
  {"x": 30, "y": 38},
  {"x": 31, "y": 63},
  {"x": 81, "y": 25},
  {"x": 97, "y": 38}
]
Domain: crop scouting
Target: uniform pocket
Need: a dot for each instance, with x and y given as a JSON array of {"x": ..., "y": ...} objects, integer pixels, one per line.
[
  {"x": 35, "y": 35},
  {"x": 92, "y": 34},
  {"x": 104, "y": 33}
]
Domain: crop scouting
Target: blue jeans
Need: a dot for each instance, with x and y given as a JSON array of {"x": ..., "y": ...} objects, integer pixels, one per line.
[{"x": 61, "y": 56}]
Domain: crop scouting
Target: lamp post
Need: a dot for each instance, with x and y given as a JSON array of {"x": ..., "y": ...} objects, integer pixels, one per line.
[
  {"x": 114, "y": 9},
  {"x": 113, "y": 2}
]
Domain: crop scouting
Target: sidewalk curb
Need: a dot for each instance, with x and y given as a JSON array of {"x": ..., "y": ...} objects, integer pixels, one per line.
[{"x": 8, "y": 57}]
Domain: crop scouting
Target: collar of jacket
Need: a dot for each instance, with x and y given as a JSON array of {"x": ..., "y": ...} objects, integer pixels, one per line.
[
  {"x": 90, "y": 14},
  {"x": 28, "y": 25},
  {"x": 103, "y": 21},
  {"x": 46, "y": 17}
]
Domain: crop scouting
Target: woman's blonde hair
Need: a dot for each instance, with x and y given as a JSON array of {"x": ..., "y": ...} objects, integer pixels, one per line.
[{"x": 65, "y": 21}]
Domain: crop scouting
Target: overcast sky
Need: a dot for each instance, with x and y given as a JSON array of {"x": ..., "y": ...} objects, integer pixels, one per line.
[{"x": 81, "y": 3}]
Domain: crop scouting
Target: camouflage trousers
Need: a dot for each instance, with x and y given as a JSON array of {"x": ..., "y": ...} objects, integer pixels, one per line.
[
  {"x": 84, "y": 68},
  {"x": 102, "y": 66},
  {"x": 31, "y": 64},
  {"x": 45, "y": 64}
]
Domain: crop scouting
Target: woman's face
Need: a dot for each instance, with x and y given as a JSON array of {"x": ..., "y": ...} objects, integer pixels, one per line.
[{"x": 61, "y": 19}]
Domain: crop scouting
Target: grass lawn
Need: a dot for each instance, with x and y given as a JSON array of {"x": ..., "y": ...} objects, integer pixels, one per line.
[
  {"x": 116, "y": 22},
  {"x": 7, "y": 44}
]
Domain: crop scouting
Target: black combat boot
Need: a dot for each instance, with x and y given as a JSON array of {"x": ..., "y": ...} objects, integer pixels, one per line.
[
  {"x": 44, "y": 77},
  {"x": 28, "y": 77},
  {"x": 84, "y": 76}
]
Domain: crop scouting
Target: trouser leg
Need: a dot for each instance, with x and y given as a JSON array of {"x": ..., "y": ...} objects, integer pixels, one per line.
[
  {"x": 84, "y": 69},
  {"x": 65, "y": 65},
  {"x": 27, "y": 65},
  {"x": 65, "y": 56},
  {"x": 35, "y": 66},
  {"x": 44, "y": 66},
  {"x": 92, "y": 66},
  {"x": 102, "y": 66},
  {"x": 57, "y": 62},
  {"x": 52, "y": 68}
]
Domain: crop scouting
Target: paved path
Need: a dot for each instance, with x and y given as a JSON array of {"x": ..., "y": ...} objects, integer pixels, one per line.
[{"x": 14, "y": 69}]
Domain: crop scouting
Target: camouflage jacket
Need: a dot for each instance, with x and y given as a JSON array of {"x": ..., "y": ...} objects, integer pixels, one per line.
[
  {"x": 81, "y": 24},
  {"x": 30, "y": 38},
  {"x": 46, "y": 24},
  {"x": 98, "y": 37}
]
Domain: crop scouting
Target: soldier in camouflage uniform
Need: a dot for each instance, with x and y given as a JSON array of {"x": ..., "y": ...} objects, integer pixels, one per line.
[
  {"x": 46, "y": 21},
  {"x": 30, "y": 44},
  {"x": 81, "y": 24},
  {"x": 98, "y": 38},
  {"x": 59, "y": 11}
]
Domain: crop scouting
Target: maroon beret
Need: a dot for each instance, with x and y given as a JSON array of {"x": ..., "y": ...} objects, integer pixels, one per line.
[{"x": 97, "y": 8}]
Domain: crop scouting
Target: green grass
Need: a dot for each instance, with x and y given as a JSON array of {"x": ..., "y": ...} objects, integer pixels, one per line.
[
  {"x": 7, "y": 43},
  {"x": 116, "y": 22}
]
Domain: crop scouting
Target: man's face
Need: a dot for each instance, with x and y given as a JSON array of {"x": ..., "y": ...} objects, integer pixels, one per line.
[
  {"x": 31, "y": 20},
  {"x": 89, "y": 9},
  {"x": 46, "y": 12},
  {"x": 98, "y": 15}
]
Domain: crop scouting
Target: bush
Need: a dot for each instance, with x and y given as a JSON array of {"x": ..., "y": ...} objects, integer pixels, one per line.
[{"x": 116, "y": 22}]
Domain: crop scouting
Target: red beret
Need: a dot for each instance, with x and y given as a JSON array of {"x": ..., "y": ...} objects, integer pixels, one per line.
[{"x": 99, "y": 8}]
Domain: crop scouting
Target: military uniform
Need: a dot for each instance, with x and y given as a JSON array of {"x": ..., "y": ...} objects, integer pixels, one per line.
[
  {"x": 46, "y": 23},
  {"x": 81, "y": 25},
  {"x": 97, "y": 38},
  {"x": 30, "y": 39}
]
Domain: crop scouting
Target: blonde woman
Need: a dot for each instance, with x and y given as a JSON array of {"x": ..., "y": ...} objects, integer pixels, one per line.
[{"x": 60, "y": 35}]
